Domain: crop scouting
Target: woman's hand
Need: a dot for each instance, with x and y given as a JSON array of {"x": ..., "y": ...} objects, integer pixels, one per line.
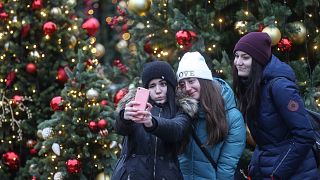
[
  {"x": 130, "y": 112},
  {"x": 146, "y": 117}
]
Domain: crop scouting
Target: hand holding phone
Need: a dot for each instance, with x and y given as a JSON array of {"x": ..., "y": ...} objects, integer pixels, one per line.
[{"x": 142, "y": 96}]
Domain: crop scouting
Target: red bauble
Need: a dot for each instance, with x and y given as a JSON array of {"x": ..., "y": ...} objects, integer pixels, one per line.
[
  {"x": 25, "y": 30},
  {"x": 56, "y": 103},
  {"x": 91, "y": 25},
  {"x": 119, "y": 95},
  {"x": 62, "y": 76},
  {"x": 33, "y": 151},
  {"x": 36, "y": 4},
  {"x": 49, "y": 28},
  {"x": 10, "y": 78},
  {"x": 261, "y": 27},
  {"x": 31, "y": 68},
  {"x": 17, "y": 99},
  {"x": 73, "y": 166},
  {"x": 285, "y": 44},
  {"x": 102, "y": 124},
  {"x": 93, "y": 126},
  {"x": 185, "y": 37},
  {"x": 11, "y": 159},
  {"x": 4, "y": 15},
  {"x": 1, "y": 6},
  {"x": 103, "y": 102},
  {"x": 147, "y": 47}
]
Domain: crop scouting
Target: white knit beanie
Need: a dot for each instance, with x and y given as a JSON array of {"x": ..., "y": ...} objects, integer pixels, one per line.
[{"x": 193, "y": 64}]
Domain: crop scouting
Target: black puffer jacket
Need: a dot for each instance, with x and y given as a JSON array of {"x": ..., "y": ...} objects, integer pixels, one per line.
[{"x": 151, "y": 153}]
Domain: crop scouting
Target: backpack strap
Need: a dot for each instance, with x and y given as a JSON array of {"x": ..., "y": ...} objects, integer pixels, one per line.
[{"x": 203, "y": 149}]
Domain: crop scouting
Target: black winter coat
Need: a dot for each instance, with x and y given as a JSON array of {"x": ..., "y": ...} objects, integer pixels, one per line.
[{"x": 151, "y": 153}]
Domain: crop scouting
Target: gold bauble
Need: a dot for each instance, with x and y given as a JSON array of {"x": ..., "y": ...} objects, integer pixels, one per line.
[
  {"x": 140, "y": 7},
  {"x": 299, "y": 36},
  {"x": 72, "y": 42},
  {"x": 55, "y": 11},
  {"x": 92, "y": 94},
  {"x": 102, "y": 176},
  {"x": 71, "y": 2},
  {"x": 39, "y": 134},
  {"x": 274, "y": 34},
  {"x": 100, "y": 50}
]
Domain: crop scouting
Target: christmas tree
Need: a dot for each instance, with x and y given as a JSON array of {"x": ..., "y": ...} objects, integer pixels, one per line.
[
  {"x": 72, "y": 147},
  {"x": 39, "y": 41},
  {"x": 166, "y": 29}
]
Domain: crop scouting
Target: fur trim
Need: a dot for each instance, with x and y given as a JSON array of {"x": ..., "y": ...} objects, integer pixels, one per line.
[
  {"x": 187, "y": 104},
  {"x": 126, "y": 99}
]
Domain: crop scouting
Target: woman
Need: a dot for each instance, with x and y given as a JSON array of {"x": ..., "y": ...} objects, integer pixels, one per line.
[
  {"x": 274, "y": 113},
  {"x": 151, "y": 142},
  {"x": 219, "y": 124}
]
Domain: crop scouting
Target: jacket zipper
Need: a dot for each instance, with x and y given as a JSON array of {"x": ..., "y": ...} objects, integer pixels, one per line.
[
  {"x": 155, "y": 152},
  {"x": 281, "y": 161}
]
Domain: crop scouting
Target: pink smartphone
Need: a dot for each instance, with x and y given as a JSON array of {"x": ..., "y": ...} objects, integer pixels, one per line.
[{"x": 142, "y": 96}]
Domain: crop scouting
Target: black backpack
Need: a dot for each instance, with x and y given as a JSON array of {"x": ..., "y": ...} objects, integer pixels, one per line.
[{"x": 314, "y": 118}]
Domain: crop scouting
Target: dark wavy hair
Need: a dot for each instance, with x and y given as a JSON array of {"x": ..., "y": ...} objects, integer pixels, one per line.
[
  {"x": 247, "y": 90},
  {"x": 212, "y": 104}
]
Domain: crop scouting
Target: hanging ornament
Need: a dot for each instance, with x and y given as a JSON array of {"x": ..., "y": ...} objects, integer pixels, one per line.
[
  {"x": 31, "y": 68},
  {"x": 147, "y": 47},
  {"x": 33, "y": 168},
  {"x": 274, "y": 34},
  {"x": 49, "y": 28},
  {"x": 56, "y": 103},
  {"x": 31, "y": 143},
  {"x": 47, "y": 132},
  {"x": 92, "y": 94},
  {"x": 299, "y": 34},
  {"x": 121, "y": 45},
  {"x": 58, "y": 176},
  {"x": 261, "y": 27},
  {"x": 10, "y": 78},
  {"x": 56, "y": 148},
  {"x": 17, "y": 99},
  {"x": 4, "y": 16},
  {"x": 103, "y": 102},
  {"x": 285, "y": 45},
  {"x": 139, "y": 7},
  {"x": 25, "y": 30},
  {"x": 12, "y": 160},
  {"x": 102, "y": 124},
  {"x": 39, "y": 134},
  {"x": 91, "y": 25},
  {"x": 73, "y": 42},
  {"x": 100, "y": 50},
  {"x": 185, "y": 37},
  {"x": 33, "y": 151},
  {"x": 36, "y": 4},
  {"x": 55, "y": 11},
  {"x": 71, "y": 2},
  {"x": 119, "y": 95},
  {"x": 102, "y": 176},
  {"x": 62, "y": 76},
  {"x": 93, "y": 126},
  {"x": 73, "y": 166}
]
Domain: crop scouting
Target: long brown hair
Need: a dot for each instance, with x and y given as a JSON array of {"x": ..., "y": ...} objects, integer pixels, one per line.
[
  {"x": 213, "y": 105},
  {"x": 247, "y": 91}
]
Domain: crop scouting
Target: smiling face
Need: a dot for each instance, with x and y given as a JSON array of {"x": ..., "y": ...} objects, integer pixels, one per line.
[
  {"x": 242, "y": 61},
  {"x": 158, "y": 90},
  {"x": 191, "y": 87}
]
